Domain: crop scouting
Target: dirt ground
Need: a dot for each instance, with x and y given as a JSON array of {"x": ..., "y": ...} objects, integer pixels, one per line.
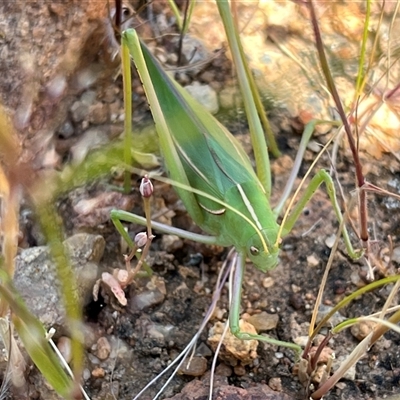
[
  {"x": 164, "y": 312},
  {"x": 290, "y": 293}
]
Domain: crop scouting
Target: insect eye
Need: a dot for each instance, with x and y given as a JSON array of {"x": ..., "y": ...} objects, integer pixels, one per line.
[
  {"x": 254, "y": 251},
  {"x": 127, "y": 11}
]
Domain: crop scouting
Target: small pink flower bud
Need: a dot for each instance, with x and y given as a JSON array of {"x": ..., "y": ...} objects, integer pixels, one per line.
[
  {"x": 146, "y": 187},
  {"x": 141, "y": 239}
]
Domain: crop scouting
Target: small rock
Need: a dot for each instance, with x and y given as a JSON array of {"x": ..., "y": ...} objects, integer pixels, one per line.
[
  {"x": 230, "y": 98},
  {"x": 193, "y": 366},
  {"x": 268, "y": 282},
  {"x": 116, "y": 112},
  {"x": 84, "y": 247},
  {"x": 109, "y": 391},
  {"x": 205, "y": 95},
  {"x": 301, "y": 340},
  {"x": 312, "y": 260},
  {"x": 86, "y": 77},
  {"x": 159, "y": 334},
  {"x": 98, "y": 373},
  {"x": 314, "y": 146},
  {"x": 356, "y": 279},
  {"x": 219, "y": 313},
  {"x": 157, "y": 282},
  {"x": 320, "y": 374},
  {"x": 297, "y": 330},
  {"x": 275, "y": 384},
  {"x": 79, "y": 111},
  {"x": 86, "y": 374},
  {"x": 296, "y": 301},
  {"x": 183, "y": 78},
  {"x": 339, "y": 287},
  {"x": 88, "y": 97},
  {"x": 362, "y": 329},
  {"x": 330, "y": 240},
  {"x": 91, "y": 139},
  {"x": 223, "y": 370},
  {"x": 203, "y": 350},
  {"x": 207, "y": 76},
  {"x": 92, "y": 358},
  {"x": 145, "y": 300},
  {"x": 342, "y": 386},
  {"x": 264, "y": 321},
  {"x": 350, "y": 374},
  {"x": 66, "y": 130},
  {"x": 195, "y": 52},
  {"x": 309, "y": 296},
  {"x": 171, "y": 243},
  {"x": 295, "y": 288},
  {"x": 94, "y": 211},
  {"x": 191, "y": 272},
  {"x": 90, "y": 335},
  {"x": 110, "y": 94},
  {"x": 234, "y": 349},
  {"x": 86, "y": 276},
  {"x": 64, "y": 346},
  {"x": 103, "y": 348},
  {"x": 334, "y": 320},
  {"x": 35, "y": 275},
  {"x": 239, "y": 370},
  {"x": 396, "y": 255},
  {"x": 121, "y": 350},
  {"x": 199, "y": 389},
  {"x": 99, "y": 113}
]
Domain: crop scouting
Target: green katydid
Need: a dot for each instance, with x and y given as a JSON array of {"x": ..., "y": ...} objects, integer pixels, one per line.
[{"x": 215, "y": 180}]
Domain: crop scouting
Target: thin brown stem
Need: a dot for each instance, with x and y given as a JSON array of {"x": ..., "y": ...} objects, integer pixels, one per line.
[{"x": 360, "y": 180}]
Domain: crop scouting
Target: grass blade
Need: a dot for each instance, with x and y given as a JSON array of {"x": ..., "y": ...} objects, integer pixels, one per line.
[{"x": 33, "y": 335}]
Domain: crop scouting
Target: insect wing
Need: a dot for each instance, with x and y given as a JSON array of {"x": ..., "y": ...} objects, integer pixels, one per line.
[{"x": 213, "y": 159}]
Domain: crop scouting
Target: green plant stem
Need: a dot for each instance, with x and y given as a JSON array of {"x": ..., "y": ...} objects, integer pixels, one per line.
[
  {"x": 256, "y": 130},
  {"x": 51, "y": 226},
  {"x": 351, "y": 297},
  {"x": 361, "y": 69},
  {"x": 176, "y": 13},
  {"x": 127, "y": 81}
]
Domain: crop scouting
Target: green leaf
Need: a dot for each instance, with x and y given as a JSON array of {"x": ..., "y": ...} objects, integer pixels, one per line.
[{"x": 33, "y": 336}]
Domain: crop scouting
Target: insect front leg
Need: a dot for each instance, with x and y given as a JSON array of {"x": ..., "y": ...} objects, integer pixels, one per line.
[
  {"x": 118, "y": 215},
  {"x": 234, "y": 311}
]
